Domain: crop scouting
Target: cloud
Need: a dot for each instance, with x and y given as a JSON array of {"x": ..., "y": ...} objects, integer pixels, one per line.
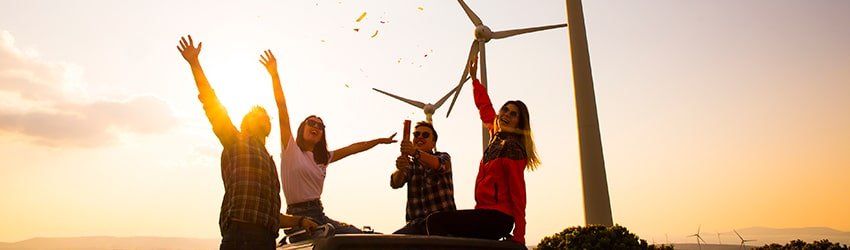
[
  {"x": 28, "y": 76},
  {"x": 64, "y": 115}
]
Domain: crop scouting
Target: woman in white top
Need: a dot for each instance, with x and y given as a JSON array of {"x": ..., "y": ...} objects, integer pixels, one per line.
[{"x": 305, "y": 158}]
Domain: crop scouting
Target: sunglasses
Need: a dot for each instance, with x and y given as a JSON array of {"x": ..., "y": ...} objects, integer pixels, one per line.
[
  {"x": 424, "y": 135},
  {"x": 511, "y": 113},
  {"x": 315, "y": 124}
]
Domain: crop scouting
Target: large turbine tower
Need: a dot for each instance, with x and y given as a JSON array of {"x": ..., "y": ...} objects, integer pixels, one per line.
[{"x": 597, "y": 204}]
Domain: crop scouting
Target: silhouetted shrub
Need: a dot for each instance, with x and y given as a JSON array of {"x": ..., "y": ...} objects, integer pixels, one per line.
[
  {"x": 802, "y": 245},
  {"x": 596, "y": 237}
]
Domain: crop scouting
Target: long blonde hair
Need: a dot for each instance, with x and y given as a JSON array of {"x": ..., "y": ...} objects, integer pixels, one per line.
[{"x": 524, "y": 129}]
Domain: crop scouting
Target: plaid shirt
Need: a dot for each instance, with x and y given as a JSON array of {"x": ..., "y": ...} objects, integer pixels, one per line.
[
  {"x": 429, "y": 190},
  {"x": 251, "y": 186}
]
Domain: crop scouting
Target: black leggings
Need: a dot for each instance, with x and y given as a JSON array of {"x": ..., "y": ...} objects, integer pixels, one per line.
[{"x": 478, "y": 223}]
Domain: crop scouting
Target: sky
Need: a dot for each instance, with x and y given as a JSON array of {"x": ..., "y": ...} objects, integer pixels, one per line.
[{"x": 713, "y": 114}]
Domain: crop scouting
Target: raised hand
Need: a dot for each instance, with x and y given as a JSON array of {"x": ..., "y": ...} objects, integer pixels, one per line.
[
  {"x": 188, "y": 49},
  {"x": 268, "y": 60},
  {"x": 387, "y": 140}
]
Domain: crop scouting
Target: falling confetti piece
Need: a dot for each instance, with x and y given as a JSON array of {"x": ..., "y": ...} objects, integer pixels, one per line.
[
  {"x": 374, "y": 35},
  {"x": 399, "y": 61},
  {"x": 426, "y": 55},
  {"x": 323, "y": 40},
  {"x": 346, "y": 85},
  {"x": 420, "y": 8},
  {"x": 361, "y": 17},
  {"x": 356, "y": 29},
  {"x": 383, "y": 21}
]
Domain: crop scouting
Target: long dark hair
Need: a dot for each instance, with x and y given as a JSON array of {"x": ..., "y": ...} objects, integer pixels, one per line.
[
  {"x": 524, "y": 128},
  {"x": 320, "y": 150}
]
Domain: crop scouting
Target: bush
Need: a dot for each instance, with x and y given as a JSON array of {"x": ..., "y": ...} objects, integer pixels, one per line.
[
  {"x": 596, "y": 237},
  {"x": 802, "y": 245}
]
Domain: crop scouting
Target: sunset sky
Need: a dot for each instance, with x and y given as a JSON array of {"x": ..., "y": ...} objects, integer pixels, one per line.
[{"x": 713, "y": 114}]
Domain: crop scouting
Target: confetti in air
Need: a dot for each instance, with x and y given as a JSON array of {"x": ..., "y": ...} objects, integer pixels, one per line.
[
  {"x": 420, "y": 8},
  {"x": 374, "y": 35},
  {"x": 361, "y": 17}
]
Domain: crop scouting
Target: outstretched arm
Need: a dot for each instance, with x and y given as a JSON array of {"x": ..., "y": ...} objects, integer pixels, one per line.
[
  {"x": 216, "y": 113},
  {"x": 482, "y": 99},
  {"x": 440, "y": 163},
  {"x": 360, "y": 147},
  {"x": 270, "y": 62}
]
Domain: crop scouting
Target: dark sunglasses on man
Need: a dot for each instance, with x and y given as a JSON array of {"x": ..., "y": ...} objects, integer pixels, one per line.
[{"x": 424, "y": 135}]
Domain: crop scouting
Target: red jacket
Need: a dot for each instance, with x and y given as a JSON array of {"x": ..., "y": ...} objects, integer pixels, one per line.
[{"x": 500, "y": 184}]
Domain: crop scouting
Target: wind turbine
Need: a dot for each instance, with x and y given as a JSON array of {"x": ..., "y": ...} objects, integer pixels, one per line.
[
  {"x": 427, "y": 107},
  {"x": 718, "y": 239},
  {"x": 483, "y": 34},
  {"x": 698, "y": 237},
  {"x": 742, "y": 239}
]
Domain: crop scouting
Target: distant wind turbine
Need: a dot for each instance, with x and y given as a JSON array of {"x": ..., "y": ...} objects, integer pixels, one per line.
[
  {"x": 742, "y": 239},
  {"x": 698, "y": 237},
  {"x": 428, "y": 108}
]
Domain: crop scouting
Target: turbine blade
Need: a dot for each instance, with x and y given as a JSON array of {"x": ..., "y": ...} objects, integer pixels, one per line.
[
  {"x": 472, "y": 16},
  {"x": 411, "y": 102},
  {"x": 446, "y": 97},
  {"x": 514, "y": 32},
  {"x": 739, "y": 235},
  {"x": 473, "y": 49}
]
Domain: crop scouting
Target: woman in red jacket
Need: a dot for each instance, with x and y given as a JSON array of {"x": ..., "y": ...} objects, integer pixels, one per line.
[{"x": 500, "y": 186}]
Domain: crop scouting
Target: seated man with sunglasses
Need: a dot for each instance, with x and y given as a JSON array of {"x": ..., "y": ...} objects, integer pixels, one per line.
[{"x": 428, "y": 175}]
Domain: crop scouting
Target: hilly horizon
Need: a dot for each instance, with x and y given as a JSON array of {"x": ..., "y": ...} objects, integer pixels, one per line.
[{"x": 762, "y": 235}]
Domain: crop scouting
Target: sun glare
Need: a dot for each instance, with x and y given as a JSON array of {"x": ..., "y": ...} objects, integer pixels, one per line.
[{"x": 240, "y": 88}]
